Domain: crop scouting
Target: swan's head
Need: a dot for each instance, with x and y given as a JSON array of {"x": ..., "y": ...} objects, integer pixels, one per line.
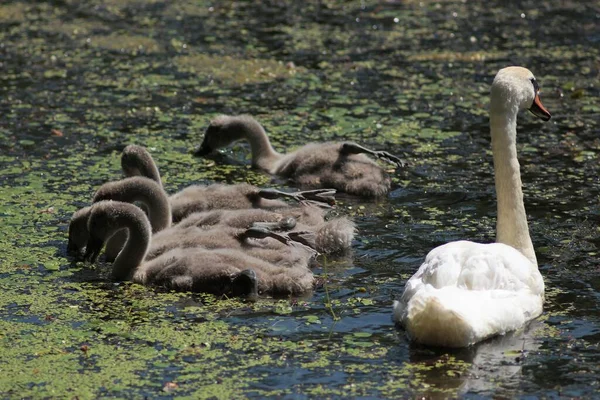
[
  {"x": 78, "y": 232},
  {"x": 224, "y": 130},
  {"x": 516, "y": 87}
]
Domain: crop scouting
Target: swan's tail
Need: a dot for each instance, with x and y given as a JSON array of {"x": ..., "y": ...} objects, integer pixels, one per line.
[
  {"x": 335, "y": 236},
  {"x": 453, "y": 317}
]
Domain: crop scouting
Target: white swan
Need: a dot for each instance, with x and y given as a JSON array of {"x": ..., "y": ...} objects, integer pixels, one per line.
[{"x": 465, "y": 292}]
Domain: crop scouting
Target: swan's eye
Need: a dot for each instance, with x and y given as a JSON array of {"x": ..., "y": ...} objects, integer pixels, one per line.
[{"x": 536, "y": 87}]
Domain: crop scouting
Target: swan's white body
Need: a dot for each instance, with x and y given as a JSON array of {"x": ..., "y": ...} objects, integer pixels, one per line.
[{"x": 466, "y": 292}]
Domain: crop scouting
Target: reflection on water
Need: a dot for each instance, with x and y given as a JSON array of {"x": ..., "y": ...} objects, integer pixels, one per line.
[
  {"x": 480, "y": 369},
  {"x": 501, "y": 360}
]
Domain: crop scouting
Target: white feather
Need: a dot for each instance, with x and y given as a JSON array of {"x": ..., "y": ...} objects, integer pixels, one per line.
[{"x": 466, "y": 292}]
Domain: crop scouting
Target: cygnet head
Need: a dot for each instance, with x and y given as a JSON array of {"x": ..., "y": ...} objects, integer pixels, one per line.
[
  {"x": 515, "y": 88},
  {"x": 224, "y": 130},
  {"x": 137, "y": 161},
  {"x": 107, "y": 217},
  {"x": 78, "y": 233}
]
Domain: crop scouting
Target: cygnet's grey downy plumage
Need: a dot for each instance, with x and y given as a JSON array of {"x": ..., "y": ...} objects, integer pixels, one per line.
[
  {"x": 342, "y": 166},
  {"x": 223, "y": 237},
  {"x": 78, "y": 233},
  {"x": 136, "y": 160},
  {"x": 196, "y": 269},
  {"x": 139, "y": 189},
  {"x": 316, "y": 232},
  {"x": 143, "y": 190},
  {"x": 197, "y": 198},
  {"x": 221, "y": 271},
  {"x": 327, "y": 237}
]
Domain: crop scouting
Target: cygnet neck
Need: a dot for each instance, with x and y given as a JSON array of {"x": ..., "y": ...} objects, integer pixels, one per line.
[
  {"x": 511, "y": 227},
  {"x": 144, "y": 190},
  {"x": 264, "y": 155},
  {"x": 137, "y": 161},
  {"x": 138, "y": 242}
]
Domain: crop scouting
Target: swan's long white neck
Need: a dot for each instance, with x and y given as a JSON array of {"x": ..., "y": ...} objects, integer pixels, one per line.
[
  {"x": 263, "y": 154},
  {"x": 511, "y": 226}
]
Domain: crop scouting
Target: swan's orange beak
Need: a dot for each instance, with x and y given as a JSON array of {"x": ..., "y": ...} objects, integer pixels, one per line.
[{"x": 538, "y": 109}]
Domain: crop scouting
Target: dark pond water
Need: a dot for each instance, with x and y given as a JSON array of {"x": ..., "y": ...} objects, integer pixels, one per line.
[{"x": 81, "y": 79}]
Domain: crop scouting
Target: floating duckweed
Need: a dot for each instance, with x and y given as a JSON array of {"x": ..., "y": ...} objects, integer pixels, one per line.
[{"x": 114, "y": 72}]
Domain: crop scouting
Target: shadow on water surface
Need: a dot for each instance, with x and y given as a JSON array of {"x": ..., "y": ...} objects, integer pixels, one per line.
[{"x": 80, "y": 80}]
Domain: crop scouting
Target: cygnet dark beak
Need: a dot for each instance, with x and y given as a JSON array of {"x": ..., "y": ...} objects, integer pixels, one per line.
[
  {"x": 92, "y": 249},
  {"x": 245, "y": 284},
  {"x": 203, "y": 150},
  {"x": 538, "y": 109},
  {"x": 71, "y": 248}
]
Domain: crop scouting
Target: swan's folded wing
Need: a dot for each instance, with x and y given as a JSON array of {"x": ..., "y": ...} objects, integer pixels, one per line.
[
  {"x": 476, "y": 266},
  {"x": 465, "y": 292},
  {"x": 454, "y": 317}
]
